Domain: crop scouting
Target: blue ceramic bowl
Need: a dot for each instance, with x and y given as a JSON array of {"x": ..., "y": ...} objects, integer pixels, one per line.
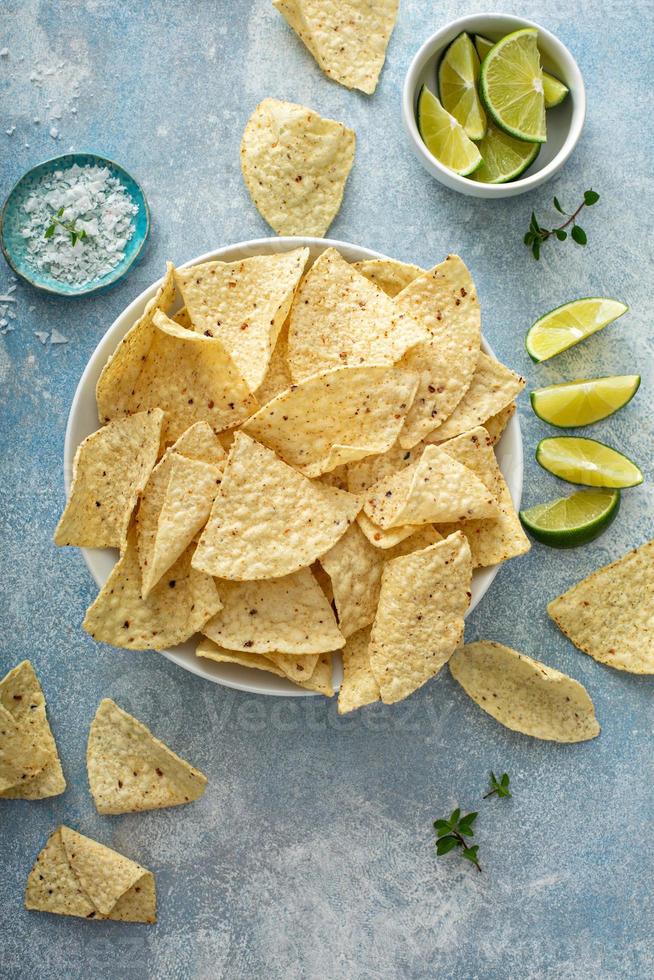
[{"x": 14, "y": 246}]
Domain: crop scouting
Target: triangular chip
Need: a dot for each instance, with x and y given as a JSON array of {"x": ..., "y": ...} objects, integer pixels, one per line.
[
  {"x": 200, "y": 442},
  {"x": 175, "y": 609},
  {"x": 524, "y": 694},
  {"x": 21, "y": 755},
  {"x": 419, "y": 622},
  {"x": 434, "y": 489},
  {"x": 74, "y": 875},
  {"x": 384, "y": 538},
  {"x": 211, "y": 651},
  {"x": 130, "y": 770},
  {"x": 348, "y": 39},
  {"x": 444, "y": 303},
  {"x": 355, "y": 568},
  {"x": 340, "y": 318},
  {"x": 295, "y": 165},
  {"x": 496, "y": 425},
  {"x": 335, "y": 417},
  {"x": 492, "y": 388},
  {"x": 320, "y": 679},
  {"x": 359, "y": 685},
  {"x": 278, "y": 376},
  {"x": 312, "y": 671},
  {"x": 610, "y": 614},
  {"x": 244, "y": 304},
  {"x": 389, "y": 275},
  {"x": 268, "y": 520},
  {"x": 364, "y": 473},
  {"x": 21, "y": 696},
  {"x": 110, "y": 470}
]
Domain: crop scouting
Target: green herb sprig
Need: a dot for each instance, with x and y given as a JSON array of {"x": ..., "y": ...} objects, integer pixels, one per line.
[
  {"x": 453, "y": 832},
  {"x": 537, "y": 235},
  {"x": 76, "y": 234},
  {"x": 499, "y": 786}
]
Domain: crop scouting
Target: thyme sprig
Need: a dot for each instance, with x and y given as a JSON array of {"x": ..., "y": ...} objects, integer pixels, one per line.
[
  {"x": 499, "y": 786},
  {"x": 453, "y": 832},
  {"x": 537, "y": 234},
  {"x": 76, "y": 234}
]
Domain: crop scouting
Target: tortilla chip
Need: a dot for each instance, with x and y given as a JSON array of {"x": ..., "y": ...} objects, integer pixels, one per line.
[
  {"x": 281, "y": 615},
  {"x": 200, "y": 442},
  {"x": 339, "y": 318},
  {"x": 434, "y": 489},
  {"x": 419, "y": 622},
  {"x": 444, "y": 303},
  {"x": 384, "y": 537},
  {"x": 359, "y": 685},
  {"x": 278, "y": 376},
  {"x": 389, "y": 275},
  {"x": 21, "y": 756},
  {"x": 268, "y": 520},
  {"x": 297, "y": 668},
  {"x": 110, "y": 470},
  {"x": 348, "y": 39},
  {"x": 295, "y": 165},
  {"x": 244, "y": 304},
  {"x": 130, "y": 770},
  {"x": 211, "y": 651},
  {"x": 523, "y": 694},
  {"x": 496, "y": 425},
  {"x": 335, "y": 417},
  {"x": 354, "y": 567},
  {"x": 609, "y": 615},
  {"x": 312, "y": 671},
  {"x": 320, "y": 679},
  {"x": 74, "y": 875},
  {"x": 364, "y": 473},
  {"x": 183, "y": 317},
  {"x": 21, "y": 696},
  {"x": 175, "y": 609}
]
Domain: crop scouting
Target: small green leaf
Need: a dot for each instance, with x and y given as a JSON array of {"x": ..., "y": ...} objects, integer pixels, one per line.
[
  {"x": 529, "y": 238},
  {"x": 536, "y": 250},
  {"x": 590, "y": 197},
  {"x": 60, "y": 212},
  {"x": 454, "y": 818},
  {"x": 505, "y": 779},
  {"x": 557, "y": 205},
  {"x": 561, "y": 234},
  {"x": 446, "y": 844},
  {"x": 470, "y": 854},
  {"x": 49, "y": 232},
  {"x": 533, "y": 224},
  {"x": 578, "y": 235},
  {"x": 442, "y": 827}
]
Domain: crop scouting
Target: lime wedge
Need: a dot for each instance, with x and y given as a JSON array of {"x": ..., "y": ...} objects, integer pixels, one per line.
[
  {"x": 483, "y": 46},
  {"x": 583, "y": 402},
  {"x": 444, "y": 137},
  {"x": 503, "y": 157},
  {"x": 458, "y": 74},
  {"x": 587, "y": 462},
  {"x": 553, "y": 90},
  {"x": 566, "y": 325},
  {"x": 572, "y": 521},
  {"x": 511, "y": 86}
]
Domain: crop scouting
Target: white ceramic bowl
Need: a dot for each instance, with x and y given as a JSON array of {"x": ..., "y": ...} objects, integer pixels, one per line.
[
  {"x": 83, "y": 419},
  {"x": 564, "y": 122}
]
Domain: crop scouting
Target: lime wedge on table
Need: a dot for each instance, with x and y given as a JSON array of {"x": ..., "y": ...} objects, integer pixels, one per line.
[
  {"x": 588, "y": 462},
  {"x": 583, "y": 402},
  {"x": 503, "y": 157},
  {"x": 444, "y": 137},
  {"x": 572, "y": 521},
  {"x": 511, "y": 86},
  {"x": 458, "y": 73},
  {"x": 566, "y": 325},
  {"x": 553, "y": 90}
]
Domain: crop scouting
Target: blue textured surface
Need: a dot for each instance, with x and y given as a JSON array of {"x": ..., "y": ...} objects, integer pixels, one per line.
[{"x": 311, "y": 853}]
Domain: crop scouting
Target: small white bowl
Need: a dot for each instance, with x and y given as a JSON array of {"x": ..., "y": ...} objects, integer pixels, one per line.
[{"x": 564, "y": 122}]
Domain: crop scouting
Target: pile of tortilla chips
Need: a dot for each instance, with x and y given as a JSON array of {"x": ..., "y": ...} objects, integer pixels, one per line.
[{"x": 296, "y": 462}]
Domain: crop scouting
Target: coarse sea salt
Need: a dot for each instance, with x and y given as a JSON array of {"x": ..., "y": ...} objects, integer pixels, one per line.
[{"x": 93, "y": 201}]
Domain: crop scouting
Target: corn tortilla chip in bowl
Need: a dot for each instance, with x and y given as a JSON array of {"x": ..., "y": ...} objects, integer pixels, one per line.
[{"x": 83, "y": 420}]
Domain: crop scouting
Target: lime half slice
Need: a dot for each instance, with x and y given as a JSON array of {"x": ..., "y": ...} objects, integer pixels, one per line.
[
  {"x": 583, "y": 402},
  {"x": 503, "y": 157},
  {"x": 444, "y": 137},
  {"x": 585, "y": 461},
  {"x": 569, "y": 522},
  {"x": 566, "y": 325},
  {"x": 458, "y": 74},
  {"x": 553, "y": 90},
  {"x": 511, "y": 86}
]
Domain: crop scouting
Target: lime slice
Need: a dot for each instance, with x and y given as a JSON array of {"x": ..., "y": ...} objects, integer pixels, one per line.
[
  {"x": 444, "y": 137},
  {"x": 572, "y": 521},
  {"x": 566, "y": 325},
  {"x": 511, "y": 86},
  {"x": 588, "y": 462},
  {"x": 553, "y": 90},
  {"x": 503, "y": 157},
  {"x": 458, "y": 74},
  {"x": 583, "y": 402}
]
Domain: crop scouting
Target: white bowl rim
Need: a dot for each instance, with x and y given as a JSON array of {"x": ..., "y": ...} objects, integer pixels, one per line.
[
  {"x": 429, "y": 48},
  {"x": 483, "y": 577}
]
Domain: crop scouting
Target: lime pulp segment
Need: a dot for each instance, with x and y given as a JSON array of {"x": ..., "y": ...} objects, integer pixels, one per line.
[
  {"x": 511, "y": 86},
  {"x": 569, "y": 522},
  {"x": 567, "y": 325},
  {"x": 587, "y": 462},
  {"x": 554, "y": 91},
  {"x": 583, "y": 402},
  {"x": 503, "y": 157},
  {"x": 444, "y": 136},
  {"x": 458, "y": 74}
]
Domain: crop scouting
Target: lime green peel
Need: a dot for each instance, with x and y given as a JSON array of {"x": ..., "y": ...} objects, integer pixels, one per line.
[
  {"x": 587, "y": 462},
  {"x": 511, "y": 86},
  {"x": 585, "y": 401},
  {"x": 554, "y": 91},
  {"x": 569, "y": 522},
  {"x": 569, "y": 324}
]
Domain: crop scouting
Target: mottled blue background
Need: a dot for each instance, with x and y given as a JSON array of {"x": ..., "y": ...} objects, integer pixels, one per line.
[{"x": 311, "y": 853}]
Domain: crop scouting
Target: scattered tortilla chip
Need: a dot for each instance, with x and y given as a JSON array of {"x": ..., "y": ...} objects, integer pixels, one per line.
[
  {"x": 434, "y": 489},
  {"x": 74, "y": 875},
  {"x": 175, "y": 609},
  {"x": 384, "y": 537},
  {"x": 110, "y": 470},
  {"x": 244, "y": 304},
  {"x": 211, "y": 651},
  {"x": 130, "y": 770},
  {"x": 523, "y": 694},
  {"x": 339, "y": 318},
  {"x": 21, "y": 696},
  {"x": 335, "y": 417},
  {"x": 359, "y": 685},
  {"x": 295, "y": 165},
  {"x": 268, "y": 520},
  {"x": 609, "y": 615},
  {"x": 348, "y": 39},
  {"x": 278, "y": 376},
  {"x": 444, "y": 303},
  {"x": 354, "y": 567},
  {"x": 389, "y": 275},
  {"x": 419, "y": 622},
  {"x": 282, "y": 615},
  {"x": 496, "y": 425},
  {"x": 21, "y": 755}
]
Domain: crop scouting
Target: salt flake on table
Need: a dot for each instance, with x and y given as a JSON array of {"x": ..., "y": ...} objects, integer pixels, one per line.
[
  {"x": 43, "y": 336},
  {"x": 58, "y": 338}
]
